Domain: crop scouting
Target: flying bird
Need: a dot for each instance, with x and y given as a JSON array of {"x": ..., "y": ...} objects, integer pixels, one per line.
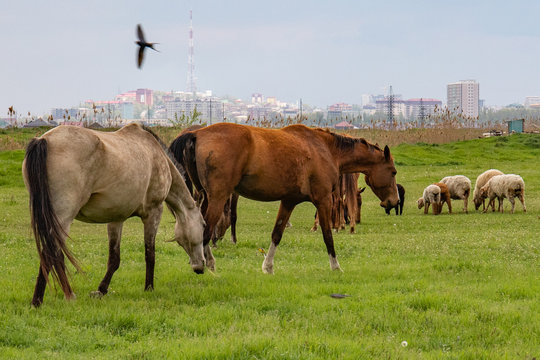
[{"x": 142, "y": 45}]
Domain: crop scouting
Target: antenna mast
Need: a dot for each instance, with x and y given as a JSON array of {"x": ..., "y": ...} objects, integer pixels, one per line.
[{"x": 191, "y": 64}]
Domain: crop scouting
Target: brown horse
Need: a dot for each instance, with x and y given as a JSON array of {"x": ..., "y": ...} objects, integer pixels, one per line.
[
  {"x": 97, "y": 177},
  {"x": 293, "y": 164},
  {"x": 346, "y": 204},
  {"x": 228, "y": 218}
]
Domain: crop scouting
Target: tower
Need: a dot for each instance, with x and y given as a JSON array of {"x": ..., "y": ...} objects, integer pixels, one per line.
[
  {"x": 191, "y": 88},
  {"x": 390, "y": 107}
]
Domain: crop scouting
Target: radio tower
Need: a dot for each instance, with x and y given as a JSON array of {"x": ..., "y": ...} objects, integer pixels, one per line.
[{"x": 191, "y": 65}]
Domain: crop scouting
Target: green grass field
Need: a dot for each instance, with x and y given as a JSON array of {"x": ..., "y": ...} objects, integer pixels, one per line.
[{"x": 460, "y": 286}]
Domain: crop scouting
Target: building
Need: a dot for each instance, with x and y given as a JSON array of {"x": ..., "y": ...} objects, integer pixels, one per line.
[
  {"x": 532, "y": 101},
  {"x": 463, "y": 97},
  {"x": 65, "y": 114},
  {"x": 419, "y": 109},
  {"x": 210, "y": 109},
  {"x": 398, "y": 106}
]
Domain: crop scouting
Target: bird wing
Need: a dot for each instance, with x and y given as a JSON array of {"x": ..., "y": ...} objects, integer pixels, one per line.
[
  {"x": 140, "y": 33},
  {"x": 140, "y": 57}
]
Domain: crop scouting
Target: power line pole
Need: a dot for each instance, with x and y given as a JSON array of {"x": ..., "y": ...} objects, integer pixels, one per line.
[{"x": 390, "y": 107}]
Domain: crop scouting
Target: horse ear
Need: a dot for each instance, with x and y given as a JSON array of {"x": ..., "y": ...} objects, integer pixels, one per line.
[{"x": 387, "y": 153}]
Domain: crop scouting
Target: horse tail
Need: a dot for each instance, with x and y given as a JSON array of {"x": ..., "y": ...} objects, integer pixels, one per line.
[
  {"x": 183, "y": 149},
  {"x": 48, "y": 232}
]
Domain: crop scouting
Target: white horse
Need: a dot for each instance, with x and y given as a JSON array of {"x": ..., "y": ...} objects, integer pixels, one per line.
[{"x": 99, "y": 177}]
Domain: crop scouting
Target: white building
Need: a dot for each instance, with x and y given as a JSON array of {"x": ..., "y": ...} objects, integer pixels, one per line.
[
  {"x": 463, "y": 97},
  {"x": 532, "y": 101}
]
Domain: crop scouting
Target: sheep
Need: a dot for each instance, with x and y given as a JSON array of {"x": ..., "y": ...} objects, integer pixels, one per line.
[
  {"x": 482, "y": 180},
  {"x": 401, "y": 193},
  {"x": 459, "y": 187},
  {"x": 504, "y": 186},
  {"x": 445, "y": 198},
  {"x": 431, "y": 195}
]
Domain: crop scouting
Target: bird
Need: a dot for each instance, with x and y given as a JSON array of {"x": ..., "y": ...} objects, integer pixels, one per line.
[{"x": 142, "y": 45}]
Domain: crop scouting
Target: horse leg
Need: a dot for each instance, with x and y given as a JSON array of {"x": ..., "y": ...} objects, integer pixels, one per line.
[
  {"x": 43, "y": 273},
  {"x": 316, "y": 222},
  {"x": 151, "y": 223},
  {"x": 234, "y": 205},
  {"x": 283, "y": 216},
  {"x": 114, "y": 231},
  {"x": 324, "y": 220},
  {"x": 41, "y": 283},
  {"x": 211, "y": 217}
]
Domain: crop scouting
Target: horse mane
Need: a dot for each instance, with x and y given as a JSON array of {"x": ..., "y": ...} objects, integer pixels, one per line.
[
  {"x": 344, "y": 142},
  {"x": 168, "y": 152}
]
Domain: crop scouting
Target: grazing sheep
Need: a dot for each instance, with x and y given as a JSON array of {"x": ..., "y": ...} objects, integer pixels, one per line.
[
  {"x": 482, "y": 180},
  {"x": 432, "y": 195},
  {"x": 504, "y": 186},
  {"x": 401, "y": 192},
  {"x": 445, "y": 198},
  {"x": 459, "y": 187}
]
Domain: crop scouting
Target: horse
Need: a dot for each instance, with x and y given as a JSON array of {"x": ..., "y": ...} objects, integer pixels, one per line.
[
  {"x": 293, "y": 164},
  {"x": 229, "y": 216},
  {"x": 399, "y": 206},
  {"x": 346, "y": 204},
  {"x": 98, "y": 177}
]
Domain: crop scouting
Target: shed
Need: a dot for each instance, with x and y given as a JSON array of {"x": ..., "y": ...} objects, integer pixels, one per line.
[{"x": 516, "y": 126}]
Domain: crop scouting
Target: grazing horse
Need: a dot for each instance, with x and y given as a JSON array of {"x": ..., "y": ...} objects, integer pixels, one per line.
[
  {"x": 399, "y": 206},
  {"x": 346, "y": 204},
  {"x": 97, "y": 177},
  {"x": 293, "y": 165},
  {"x": 228, "y": 218}
]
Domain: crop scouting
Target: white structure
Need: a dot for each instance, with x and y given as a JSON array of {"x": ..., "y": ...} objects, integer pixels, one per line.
[
  {"x": 463, "y": 97},
  {"x": 532, "y": 101}
]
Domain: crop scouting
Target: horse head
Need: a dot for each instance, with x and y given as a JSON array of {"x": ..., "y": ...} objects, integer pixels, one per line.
[
  {"x": 381, "y": 178},
  {"x": 188, "y": 233}
]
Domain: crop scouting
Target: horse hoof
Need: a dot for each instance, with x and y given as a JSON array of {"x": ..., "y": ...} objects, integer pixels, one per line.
[
  {"x": 96, "y": 294},
  {"x": 71, "y": 297},
  {"x": 268, "y": 269}
]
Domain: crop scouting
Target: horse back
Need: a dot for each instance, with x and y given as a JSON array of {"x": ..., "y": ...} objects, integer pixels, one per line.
[{"x": 93, "y": 171}]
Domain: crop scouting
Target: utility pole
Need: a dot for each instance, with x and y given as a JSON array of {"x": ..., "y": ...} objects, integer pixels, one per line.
[{"x": 422, "y": 112}]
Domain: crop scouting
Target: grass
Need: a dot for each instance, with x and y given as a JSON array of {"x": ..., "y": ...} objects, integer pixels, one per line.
[{"x": 460, "y": 286}]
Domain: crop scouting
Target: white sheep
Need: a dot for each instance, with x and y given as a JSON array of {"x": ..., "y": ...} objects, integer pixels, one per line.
[
  {"x": 459, "y": 187},
  {"x": 504, "y": 186},
  {"x": 432, "y": 195},
  {"x": 482, "y": 180}
]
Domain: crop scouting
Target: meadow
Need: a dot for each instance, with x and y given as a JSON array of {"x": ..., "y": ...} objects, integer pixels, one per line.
[{"x": 453, "y": 286}]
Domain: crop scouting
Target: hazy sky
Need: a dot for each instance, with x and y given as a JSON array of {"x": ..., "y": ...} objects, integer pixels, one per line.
[{"x": 59, "y": 53}]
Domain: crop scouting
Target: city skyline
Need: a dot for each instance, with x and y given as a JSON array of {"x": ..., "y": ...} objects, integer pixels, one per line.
[{"x": 323, "y": 52}]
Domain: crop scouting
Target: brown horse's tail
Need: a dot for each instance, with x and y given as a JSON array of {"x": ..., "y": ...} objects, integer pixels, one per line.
[
  {"x": 48, "y": 232},
  {"x": 183, "y": 149}
]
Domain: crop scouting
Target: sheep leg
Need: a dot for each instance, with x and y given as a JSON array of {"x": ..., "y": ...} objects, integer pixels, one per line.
[
  {"x": 426, "y": 207},
  {"x": 522, "y": 199},
  {"x": 501, "y": 206},
  {"x": 513, "y": 202}
]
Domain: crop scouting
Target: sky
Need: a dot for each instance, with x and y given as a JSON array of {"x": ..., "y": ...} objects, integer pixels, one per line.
[{"x": 60, "y": 53}]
